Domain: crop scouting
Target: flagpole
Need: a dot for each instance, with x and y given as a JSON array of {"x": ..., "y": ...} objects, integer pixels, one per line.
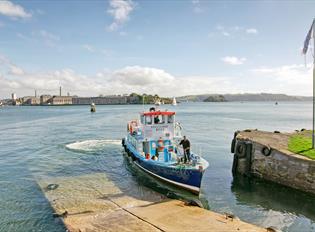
[{"x": 313, "y": 133}]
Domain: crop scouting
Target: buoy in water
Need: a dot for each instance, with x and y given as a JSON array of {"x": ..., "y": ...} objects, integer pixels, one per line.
[{"x": 93, "y": 109}]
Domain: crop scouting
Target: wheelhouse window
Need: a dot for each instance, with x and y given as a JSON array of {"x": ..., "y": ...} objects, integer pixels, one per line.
[
  {"x": 163, "y": 119},
  {"x": 142, "y": 119},
  {"x": 170, "y": 118},
  {"x": 148, "y": 119},
  {"x": 159, "y": 119}
]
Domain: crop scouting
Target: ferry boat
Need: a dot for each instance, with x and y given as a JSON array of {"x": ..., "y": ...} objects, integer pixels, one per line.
[{"x": 152, "y": 142}]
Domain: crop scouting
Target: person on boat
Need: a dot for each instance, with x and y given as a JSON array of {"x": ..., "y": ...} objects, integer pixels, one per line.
[
  {"x": 156, "y": 119},
  {"x": 186, "y": 147}
]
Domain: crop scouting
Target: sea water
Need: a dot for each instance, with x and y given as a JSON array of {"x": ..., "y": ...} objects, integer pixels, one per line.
[{"x": 39, "y": 143}]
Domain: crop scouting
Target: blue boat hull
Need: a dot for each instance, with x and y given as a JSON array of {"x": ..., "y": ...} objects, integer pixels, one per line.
[{"x": 184, "y": 177}]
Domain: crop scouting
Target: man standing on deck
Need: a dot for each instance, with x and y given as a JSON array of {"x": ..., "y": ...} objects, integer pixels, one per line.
[{"x": 186, "y": 147}]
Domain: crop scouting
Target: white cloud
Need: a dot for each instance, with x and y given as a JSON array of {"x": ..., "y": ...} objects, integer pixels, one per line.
[
  {"x": 222, "y": 30},
  {"x": 48, "y": 35},
  {"x": 125, "y": 80},
  {"x": 226, "y": 33},
  {"x": 290, "y": 79},
  {"x": 141, "y": 76},
  {"x": 295, "y": 79},
  {"x": 49, "y": 39},
  {"x": 196, "y": 6},
  {"x": 233, "y": 31},
  {"x": 122, "y": 33},
  {"x": 295, "y": 74},
  {"x": 233, "y": 60},
  {"x": 251, "y": 31},
  {"x": 15, "y": 70},
  {"x": 10, "y": 67},
  {"x": 22, "y": 36},
  {"x": 88, "y": 47},
  {"x": 40, "y": 11},
  {"x": 120, "y": 10},
  {"x": 10, "y": 9}
]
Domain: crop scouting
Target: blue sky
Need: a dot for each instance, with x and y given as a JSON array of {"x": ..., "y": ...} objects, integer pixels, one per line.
[{"x": 167, "y": 47}]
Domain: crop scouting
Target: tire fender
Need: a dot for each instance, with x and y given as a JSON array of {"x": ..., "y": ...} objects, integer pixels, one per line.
[
  {"x": 266, "y": 151},
  {"x": 240, "y": 150}
]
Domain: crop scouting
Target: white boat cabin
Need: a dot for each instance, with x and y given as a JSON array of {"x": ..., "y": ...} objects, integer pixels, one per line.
[{"x": 154, "y": 136}]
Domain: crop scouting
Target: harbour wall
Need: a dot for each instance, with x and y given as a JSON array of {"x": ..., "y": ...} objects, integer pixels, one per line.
[{"x": 265, "y": 155}]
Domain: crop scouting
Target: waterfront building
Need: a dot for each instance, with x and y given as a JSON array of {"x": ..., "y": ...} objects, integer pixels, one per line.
[
  {"x": 13, "y": 95},
  {"x": 108, "y": 100},
  {"x": 31, "y": 101},
  {"x": 60, "y": 100},
  {"x": 44, "y": 99},
  {"x": 133, "y": 100},
  {"x": 25, "y": 99},
  {"x": 82, "y": 100}
]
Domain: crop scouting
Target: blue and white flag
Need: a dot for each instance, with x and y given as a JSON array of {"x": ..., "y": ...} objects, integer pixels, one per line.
[{"x": 307, "y": 39}]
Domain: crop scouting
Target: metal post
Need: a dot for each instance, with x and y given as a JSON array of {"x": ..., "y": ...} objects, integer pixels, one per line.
[{"x": 313, "y": 133}]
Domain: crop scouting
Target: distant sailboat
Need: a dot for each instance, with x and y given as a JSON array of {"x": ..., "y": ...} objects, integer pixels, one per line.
[{"x": 174, "y": 103}]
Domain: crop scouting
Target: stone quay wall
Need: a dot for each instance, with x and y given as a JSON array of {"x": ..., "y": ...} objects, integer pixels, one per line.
[{"x": 265, "y": 155}]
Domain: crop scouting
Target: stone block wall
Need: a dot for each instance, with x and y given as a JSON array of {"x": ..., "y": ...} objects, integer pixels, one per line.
[{"x": 279, "y": 166}]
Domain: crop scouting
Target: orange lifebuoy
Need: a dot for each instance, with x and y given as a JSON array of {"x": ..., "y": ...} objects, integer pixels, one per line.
[
  {"x": 160, "y": 145},
  {"x": 129, "y": 127}
]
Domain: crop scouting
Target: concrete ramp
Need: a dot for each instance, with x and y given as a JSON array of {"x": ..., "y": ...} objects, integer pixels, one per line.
[{"x": 93, "y": 203}]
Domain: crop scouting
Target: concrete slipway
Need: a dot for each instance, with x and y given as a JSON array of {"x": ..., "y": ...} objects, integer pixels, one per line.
[{"x": 92, "y": 202}]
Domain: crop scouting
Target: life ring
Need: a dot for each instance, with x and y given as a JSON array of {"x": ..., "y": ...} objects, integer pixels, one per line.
[
  {"x": 134, "y": 122},
  {"x": 240, "y": 150},
  {"x": 266, "y": 151},
  {"x": 160, "y": 145}
]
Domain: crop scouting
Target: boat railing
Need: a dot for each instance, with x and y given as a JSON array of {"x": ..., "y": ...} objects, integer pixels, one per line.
[
  {"x": 195, "y": 152},
  {"x": 178, "y": 130}
]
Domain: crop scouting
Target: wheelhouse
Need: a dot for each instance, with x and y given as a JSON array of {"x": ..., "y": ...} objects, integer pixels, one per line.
[{"x": 153, "y": 135}]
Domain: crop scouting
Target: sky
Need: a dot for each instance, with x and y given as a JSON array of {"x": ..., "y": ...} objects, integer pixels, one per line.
[{"x": 170, "y": 48}]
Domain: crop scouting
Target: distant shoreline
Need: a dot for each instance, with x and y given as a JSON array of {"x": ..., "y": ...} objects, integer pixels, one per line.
[
  {"x": 147, "y": 104},
  {"x": 136, "y": 99}
]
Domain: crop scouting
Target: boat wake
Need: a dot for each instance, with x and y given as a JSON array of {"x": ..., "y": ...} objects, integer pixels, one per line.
[{"x": 92, "y": 145}]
